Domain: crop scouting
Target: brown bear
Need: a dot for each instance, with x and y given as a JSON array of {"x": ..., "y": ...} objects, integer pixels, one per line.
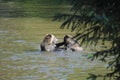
[
  {"x": 69, "y": 43},
  {"x": 48, "y": 43}
]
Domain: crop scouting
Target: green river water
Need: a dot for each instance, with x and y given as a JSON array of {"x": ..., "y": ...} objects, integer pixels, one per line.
[{"x": 21, "y": 58}]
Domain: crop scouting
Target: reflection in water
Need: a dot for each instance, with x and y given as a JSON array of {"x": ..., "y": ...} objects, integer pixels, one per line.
[
  {"x": 20, "y": 41},
  {"x": 2, "y": 32},
  {"x": 45, "y": 65}
]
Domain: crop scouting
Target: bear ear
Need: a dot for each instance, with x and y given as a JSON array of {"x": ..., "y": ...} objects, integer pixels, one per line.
[
  {"x": 68, "y": 35},
  {"x": 48, "y": 34}
]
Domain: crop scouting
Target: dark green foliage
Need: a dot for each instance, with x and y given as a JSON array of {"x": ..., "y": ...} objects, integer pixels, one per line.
[{"x": 95, "y": 20}]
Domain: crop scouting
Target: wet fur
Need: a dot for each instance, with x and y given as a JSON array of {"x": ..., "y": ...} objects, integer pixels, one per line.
[
  {"x": 70, "y": 43},
  {"x": 48, "y": 43}
]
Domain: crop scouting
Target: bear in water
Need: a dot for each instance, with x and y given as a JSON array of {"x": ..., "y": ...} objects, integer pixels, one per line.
[
  {"x": 69, "y": 43},
  {"x": 48, "y": 43}
]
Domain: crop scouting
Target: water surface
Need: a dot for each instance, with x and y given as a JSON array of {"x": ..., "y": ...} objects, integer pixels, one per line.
[
  {"x": 46, "y": 65},
  {"x": 21, "y": 58}
]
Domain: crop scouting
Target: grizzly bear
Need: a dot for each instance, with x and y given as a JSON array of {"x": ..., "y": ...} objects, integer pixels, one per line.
[
  {"x": 70, "y": 43},
  {"x": 48, "y": 43}
]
